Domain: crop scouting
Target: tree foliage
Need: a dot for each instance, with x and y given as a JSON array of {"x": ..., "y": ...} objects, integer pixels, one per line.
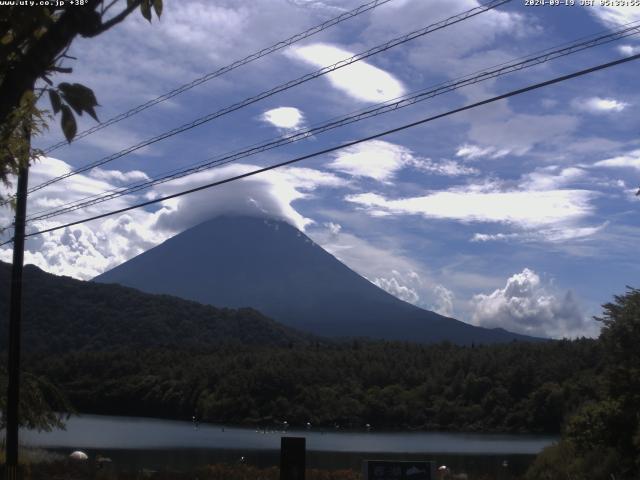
[
  {"x": 42, "y": 405},
  {"x": 518, "y": 387},
  {"x": 34, "y": 45},
  {"x": 603, "y": 437}
]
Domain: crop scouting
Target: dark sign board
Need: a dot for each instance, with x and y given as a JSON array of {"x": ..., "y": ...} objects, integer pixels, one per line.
[{"x": 398, "y": 470}]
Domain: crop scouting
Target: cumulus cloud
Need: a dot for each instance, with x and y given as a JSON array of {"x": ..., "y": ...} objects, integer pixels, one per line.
[
  {"x": 334, "y": 228},
  {"x": 86, "y": 250},
  {"x": 287, "y": 118},
  {"x": 444, "y": 299},
  {"x": 526, "y": 305},
  {"x": 361, "y": 80},
  {"x": 628, "y": 160},
  {"x": 599, "y": 105},
  {"x": 393, "y": 286},
  {"x": 529, "y": 209}
]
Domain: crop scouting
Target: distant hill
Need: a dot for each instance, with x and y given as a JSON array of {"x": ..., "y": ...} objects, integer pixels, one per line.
[
  {"x": 271, "y": 266},
  {"x": 62, "y": 314}
]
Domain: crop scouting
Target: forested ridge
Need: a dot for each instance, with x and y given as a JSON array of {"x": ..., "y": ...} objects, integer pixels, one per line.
[
  {"x": 62, "y": 314},
  {"x": 517, "y": 387}
]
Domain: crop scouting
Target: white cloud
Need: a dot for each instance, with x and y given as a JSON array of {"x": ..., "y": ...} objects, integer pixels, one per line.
[
  {"x": 284, "y": 117},
  {"x": 392, "y": 286},
  {"x": 530, "y": 209},
  {"x": 551, "y": 234},
  {"x": 446, "y": 50},
  {"x": 361, "y": 80},
  {"x": 615, "y": 16},
  {"x": 599, "y": 105},
  {"x": 376, "y": 159},
  {"x": 526, "y": 305},
  {"x": 334, "y": 228},
  {"x": 628, "y": 50},
  {"x": 448, "y": 168},
  {"x": 444, "y": 299},
  {"x": 118, "y": 176},
  {"x": 270, "y": 194},
  {"x": 381, "y": 161},
  {"x": 85, "y": 250},
  {"x": 412, "y": 289},
  {"x": 473, "y": 152},
  {"x": 552, "y": 177},
  {"x": 629, "y": 160}
]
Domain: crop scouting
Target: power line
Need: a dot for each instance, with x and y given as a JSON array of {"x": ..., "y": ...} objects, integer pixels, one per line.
[
  {"x": 386, "y": 107},
  {"x": 345, "y": 145},
  {"x": 285, "y": 86},
  {"x": 226, "y": 69}
]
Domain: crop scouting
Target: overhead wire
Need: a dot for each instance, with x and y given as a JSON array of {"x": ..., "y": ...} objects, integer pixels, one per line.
[
  {"x": 504, "y": 68},
  {"x": 226, "y": 69},
  {"x": 282, "y": 87},
  {"x": 325, "y": 151}
]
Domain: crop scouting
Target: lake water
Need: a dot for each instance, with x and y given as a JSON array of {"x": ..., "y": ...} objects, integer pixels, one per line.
[{"x": 153, "y": 443}]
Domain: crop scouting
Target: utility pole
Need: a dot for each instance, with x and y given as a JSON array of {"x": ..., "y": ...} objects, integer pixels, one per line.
[{"x": 15, "y": 317}]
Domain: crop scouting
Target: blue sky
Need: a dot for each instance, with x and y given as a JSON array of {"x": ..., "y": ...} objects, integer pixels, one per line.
[{"x": 519, "y": 214}]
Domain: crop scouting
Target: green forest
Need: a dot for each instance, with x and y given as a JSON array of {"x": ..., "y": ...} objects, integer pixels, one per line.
[{"x": 519, "y": 387}]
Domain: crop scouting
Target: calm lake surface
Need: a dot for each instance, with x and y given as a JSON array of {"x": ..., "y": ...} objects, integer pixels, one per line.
[{"x": 152, "y": 443}]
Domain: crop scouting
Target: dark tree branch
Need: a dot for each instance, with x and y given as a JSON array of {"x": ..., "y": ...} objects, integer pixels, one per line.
[
  {"x": 73, "y": 21},
  {"x": 106, "y": 9},
  {"x": 114, "y": 20}
]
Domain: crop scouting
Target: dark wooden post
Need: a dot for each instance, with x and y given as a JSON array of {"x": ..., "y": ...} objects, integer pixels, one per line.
[
  {"x": 292, "y": 458},
  {"x": 15, "y": 317}
]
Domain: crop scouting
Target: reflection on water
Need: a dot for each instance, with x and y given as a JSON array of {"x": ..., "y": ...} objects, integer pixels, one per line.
[{"x": 158, "y": 444}]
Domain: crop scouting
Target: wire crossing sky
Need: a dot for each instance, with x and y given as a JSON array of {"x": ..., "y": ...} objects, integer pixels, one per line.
[
  {"x": 519, "y": 214},
  {"x": 408, "y": 100},
  {"x": 347, "y": 145},
  {"x": 226, "y": 69},
  {"x": 285, "y": 86}
]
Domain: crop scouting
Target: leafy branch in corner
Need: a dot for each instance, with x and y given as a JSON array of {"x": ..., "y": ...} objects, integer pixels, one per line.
[{"x": 33, "y": 47}]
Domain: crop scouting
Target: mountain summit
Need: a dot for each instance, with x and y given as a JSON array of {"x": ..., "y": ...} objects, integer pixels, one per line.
[{"x": 273, "y": 267}]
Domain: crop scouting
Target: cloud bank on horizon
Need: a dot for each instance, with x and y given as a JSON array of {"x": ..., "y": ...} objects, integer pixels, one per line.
[{"x": 520, "y": 215}]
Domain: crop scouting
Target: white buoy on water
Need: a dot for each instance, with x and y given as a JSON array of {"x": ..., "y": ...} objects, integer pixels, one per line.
[{"x": 78, "y": 455}]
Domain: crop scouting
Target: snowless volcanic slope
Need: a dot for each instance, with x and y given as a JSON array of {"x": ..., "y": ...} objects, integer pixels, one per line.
[{"x": 272, "y": 267}]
